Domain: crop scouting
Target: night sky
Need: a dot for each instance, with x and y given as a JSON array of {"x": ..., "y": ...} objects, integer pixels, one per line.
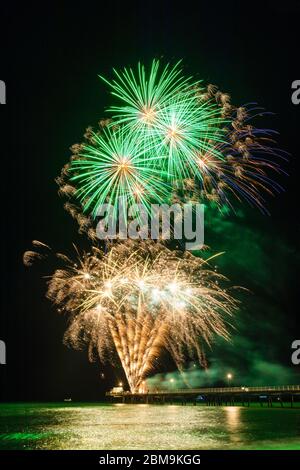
[{"x": 50, "y": 60}]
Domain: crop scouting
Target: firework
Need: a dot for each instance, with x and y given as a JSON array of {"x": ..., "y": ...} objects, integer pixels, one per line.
[
  {"x": 138, "y": 300},
  {"x": 250, "y": 157},
  {"x": 144, "y": 95},
  {"x": 184, "y": 130},
  {"x": 116, "y": 165},
  {"x": 170, "y": 139},
  {"x": 164, "y": 109}
]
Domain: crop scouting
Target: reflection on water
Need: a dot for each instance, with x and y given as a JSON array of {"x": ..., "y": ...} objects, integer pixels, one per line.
[
  {"x": 233, "y": 417},
  {"x": 122, "y": 426}
]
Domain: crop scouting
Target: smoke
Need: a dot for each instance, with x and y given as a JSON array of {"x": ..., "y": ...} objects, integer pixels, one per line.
[
  {"x": 259, "y": 258},
  {"x": 260, "y": 373}
]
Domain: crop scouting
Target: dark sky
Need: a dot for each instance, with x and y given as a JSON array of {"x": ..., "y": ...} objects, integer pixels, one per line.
[{"x": 50, "y": 59}]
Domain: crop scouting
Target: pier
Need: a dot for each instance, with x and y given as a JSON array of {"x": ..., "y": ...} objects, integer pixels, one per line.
[{"x": 285, "y": 395}]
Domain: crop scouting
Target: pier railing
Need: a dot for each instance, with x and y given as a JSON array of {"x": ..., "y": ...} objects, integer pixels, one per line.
[{"x": 213, "y": 390}]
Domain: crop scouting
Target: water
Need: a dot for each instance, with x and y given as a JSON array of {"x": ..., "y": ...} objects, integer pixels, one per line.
[{"x": 124, "y": 426}]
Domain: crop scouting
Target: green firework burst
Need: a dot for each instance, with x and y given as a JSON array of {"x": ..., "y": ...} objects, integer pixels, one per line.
[
  {"x": 164, "y": 107},
  {"x": 145, "y": 95},
  {"x": 185, "y": 130},
  {"x": 117, "y": 165}
]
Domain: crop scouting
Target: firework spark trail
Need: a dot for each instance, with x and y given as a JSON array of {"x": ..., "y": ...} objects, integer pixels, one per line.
[
  {"x": 140, "y": 299},
  {"x": 113, "y": 166},
  {"x": 179, "y": 123},
  {"x": 170, "y": 139},
  {"x": 145, "y": 94}
]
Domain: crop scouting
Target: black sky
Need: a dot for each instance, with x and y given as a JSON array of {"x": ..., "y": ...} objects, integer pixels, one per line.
[{"x": 50, "y": 58}]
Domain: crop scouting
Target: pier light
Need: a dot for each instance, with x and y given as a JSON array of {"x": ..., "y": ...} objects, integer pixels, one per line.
[{"x": 229, "y": 377}]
